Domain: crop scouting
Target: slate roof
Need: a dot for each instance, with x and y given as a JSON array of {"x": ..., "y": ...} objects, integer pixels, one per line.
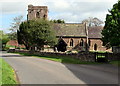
[
  {"x": 77, "y": 30},
  {"x": 95, "y": 32},
  {"x": 69, "y": 29}
]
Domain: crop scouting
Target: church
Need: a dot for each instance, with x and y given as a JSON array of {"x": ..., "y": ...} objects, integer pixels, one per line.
[{"x": 77, "y": 36}]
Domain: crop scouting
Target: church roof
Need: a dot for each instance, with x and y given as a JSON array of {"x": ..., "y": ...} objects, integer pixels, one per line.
[
  {"x": 70, "y": 29},
  {"x": 95, "y": 32},
  {"x": 77, "y": 30}
]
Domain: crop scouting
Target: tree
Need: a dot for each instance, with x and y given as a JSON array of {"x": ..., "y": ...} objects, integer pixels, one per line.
[
  {"x": 3, "y": 39},
  {"x": 36, "y": 33},
  {"x": 93, "y": 21},
  {"x": 23, "y": 35},
  {"x": 12, "y": 35},
  {"x": 97, "y": 22},
  {"x": 14, "y": 27},
  {"x": 58, "y": 21},
  {"x": 111, "y": 31}
]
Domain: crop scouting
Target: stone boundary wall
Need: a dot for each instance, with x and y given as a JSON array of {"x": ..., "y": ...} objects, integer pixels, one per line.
[
  {"x": 116, "y": 49},
  {"x": 109, "y": 56},
  {"x": 113, "y": 56},
  {"x": 90, "y": 56}
]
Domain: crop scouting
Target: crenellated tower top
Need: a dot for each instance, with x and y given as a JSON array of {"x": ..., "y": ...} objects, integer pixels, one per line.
[{"x": 36, "y": 12}]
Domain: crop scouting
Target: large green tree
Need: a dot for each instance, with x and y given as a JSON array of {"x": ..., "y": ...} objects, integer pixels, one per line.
[
  {"x": 111, "y": 31},
  {"x": 36, "y": 33}
]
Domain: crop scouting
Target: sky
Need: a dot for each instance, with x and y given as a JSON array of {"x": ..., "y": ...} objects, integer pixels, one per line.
[{"x": 72, "y": 11}]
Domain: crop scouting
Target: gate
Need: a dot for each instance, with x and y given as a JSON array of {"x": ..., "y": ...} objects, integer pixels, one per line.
[{"x": 101, "y": 57}]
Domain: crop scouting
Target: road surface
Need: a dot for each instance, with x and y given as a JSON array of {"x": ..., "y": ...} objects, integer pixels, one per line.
[{"x": 32, "y": 70}]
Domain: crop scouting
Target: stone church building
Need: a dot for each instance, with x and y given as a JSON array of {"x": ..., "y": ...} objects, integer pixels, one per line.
[{"x": 75, "y": 35}]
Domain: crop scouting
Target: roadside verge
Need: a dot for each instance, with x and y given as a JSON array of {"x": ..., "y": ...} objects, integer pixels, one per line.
[{"x": 8, "y": 74}]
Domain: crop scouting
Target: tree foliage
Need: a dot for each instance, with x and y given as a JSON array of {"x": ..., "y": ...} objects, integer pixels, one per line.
[
  {"x": 111, "y": 31},
  {"x": 12, "y": 35},
  {"x": 3, "y": 39},
  {"x": 58, "y": 21},
  {"x": 14, "y": 27},
  {"x": 36, "y": 33},
  {"x": 93, "y": 21},
  {"x": 16, "y": 23}
]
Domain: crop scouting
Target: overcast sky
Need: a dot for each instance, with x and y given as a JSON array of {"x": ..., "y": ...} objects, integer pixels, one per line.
[{"x": 72, "y": 11}]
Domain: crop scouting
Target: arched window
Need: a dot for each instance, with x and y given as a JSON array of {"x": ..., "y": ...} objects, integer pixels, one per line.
[
  {"x": 95, "y": 46},
  {"x": 44, "y": 16},
  {"x": 89, "y": 42},
  {"x": 71, "y": 42},
  {"x": 81, "y": 42},
  {"x": 37, "y": 15}
]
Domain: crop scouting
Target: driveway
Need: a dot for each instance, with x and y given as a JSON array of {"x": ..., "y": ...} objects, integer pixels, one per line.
[{"x": 32, "y": 70}]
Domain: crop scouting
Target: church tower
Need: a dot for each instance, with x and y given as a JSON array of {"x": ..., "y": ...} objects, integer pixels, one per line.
[{"x": 36, "y": 12}]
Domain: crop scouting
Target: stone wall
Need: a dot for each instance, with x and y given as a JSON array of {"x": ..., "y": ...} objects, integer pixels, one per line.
[
  {"x": 86, "y": 56},
  {"x": 116, "y": 49},
  {"x": 113, "y": 56},
  {"x": 82, "y": 56}
]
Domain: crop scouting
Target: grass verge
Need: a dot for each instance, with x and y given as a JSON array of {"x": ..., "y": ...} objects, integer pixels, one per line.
[
  {"x": 8, "y": 74},
  {"x": 115, "y": 63},
  {"x": 60, "y": 59}
]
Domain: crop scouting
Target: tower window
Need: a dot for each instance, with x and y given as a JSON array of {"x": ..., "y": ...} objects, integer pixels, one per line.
[
  {"x": 37, "y": 15},
  {"x": 44, "y": 16}
]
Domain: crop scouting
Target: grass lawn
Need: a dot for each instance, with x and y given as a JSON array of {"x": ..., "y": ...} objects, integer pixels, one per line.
[
  {"x": 7, "y": 73},
  {"x": 60, "y": 59}
]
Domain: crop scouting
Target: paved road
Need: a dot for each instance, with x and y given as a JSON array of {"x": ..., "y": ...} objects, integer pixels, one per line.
[{"x": 32, "y": 70}]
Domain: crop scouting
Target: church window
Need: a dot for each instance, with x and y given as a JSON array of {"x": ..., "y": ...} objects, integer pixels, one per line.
[
  {"x": 38, "y": 15},
  {"x": 89, "y": 42},
  {"x": 71, "y": 42},
  {"x": 95, "y": 46},
  {"x": 81, "y": 42}
]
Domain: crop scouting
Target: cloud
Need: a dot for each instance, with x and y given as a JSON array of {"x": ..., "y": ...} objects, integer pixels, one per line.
[
  {"x": 13, "y": 7},
  {"x": 77, "y": 11},
  {"x": 70, "y": 10}
]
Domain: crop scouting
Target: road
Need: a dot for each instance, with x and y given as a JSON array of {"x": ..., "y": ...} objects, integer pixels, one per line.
[{"x": 32, "y": 70}]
